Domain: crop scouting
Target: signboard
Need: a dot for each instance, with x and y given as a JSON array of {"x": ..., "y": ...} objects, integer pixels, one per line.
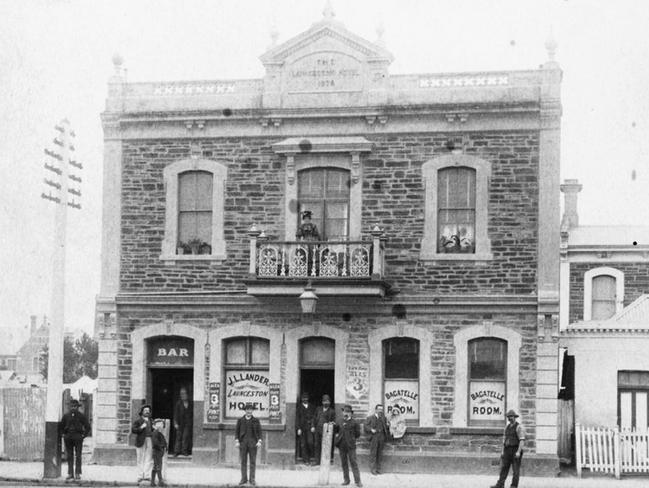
[
  {"x": 170, "y": 351},
  {"x": 214, "y": 406},
  {"x": 487, "y": 401},
  {"x": 243, "y": 387},
  {"x": 356, "y": 379},
  {"x": 274, "y": 414},
  {"x": 402, "y": 395},
  {"x": 327, "y": 71}
]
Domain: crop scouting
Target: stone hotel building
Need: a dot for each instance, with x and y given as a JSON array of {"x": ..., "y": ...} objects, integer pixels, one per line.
[{"x": 434, "y": 274}]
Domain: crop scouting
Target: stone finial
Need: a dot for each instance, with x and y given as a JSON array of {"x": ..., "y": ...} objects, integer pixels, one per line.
[
  {"x": 551, "y": 46},
  {"x": 274, "y": 34},
  {"x": 380, "y": 31},
  {"x": 328, "y": 11},
  {"x": 118, "y": 60}
]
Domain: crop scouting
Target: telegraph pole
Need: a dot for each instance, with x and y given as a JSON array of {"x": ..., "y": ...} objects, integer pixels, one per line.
[{"x": 62, "y": 186}]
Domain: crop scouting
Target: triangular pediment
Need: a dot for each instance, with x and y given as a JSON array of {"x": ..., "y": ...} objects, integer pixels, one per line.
[
  {"x": 635, "y": 313},
  {"x": 632, "y": 318},
  {"x": 326, "y": 34}
]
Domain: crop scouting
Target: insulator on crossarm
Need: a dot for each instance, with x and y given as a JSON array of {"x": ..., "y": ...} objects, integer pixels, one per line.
[
  {"x": 54, "y": 169},
  {"x": 57, "y": 142},
  {"x": 73, "y": 204},
  {"x": 52, "y": 183},
  {"x": 74, "y": 178},
  {"x": 76, "y": 165},
  {"x": 52, "y": 154},
  {"x": 50, "y": 197},
  {"x": 71, "y": 147},
  {"x": 74, "y": 192},
  {"x": 59, "y": 128}
]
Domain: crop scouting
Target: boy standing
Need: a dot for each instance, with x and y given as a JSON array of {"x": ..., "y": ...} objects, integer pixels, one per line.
[{"x": 158, "y": 446}]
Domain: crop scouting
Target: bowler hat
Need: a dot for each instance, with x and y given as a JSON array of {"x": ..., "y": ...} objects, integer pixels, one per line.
[
  {"x": 511, "y": 413},
  {"x": 304, "y": 395},
  {"x": 307, "y": 213},
  {"x": 348, "y": 408},
  {"x": 326, "y": 398},
  {"x": 146, "y": 405},
  {"x": 249, "y": 406},
  {"x": 74, "y": 403}
]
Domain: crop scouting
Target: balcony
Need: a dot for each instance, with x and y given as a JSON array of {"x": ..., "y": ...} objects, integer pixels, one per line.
[{"x": 335, "y": 268}]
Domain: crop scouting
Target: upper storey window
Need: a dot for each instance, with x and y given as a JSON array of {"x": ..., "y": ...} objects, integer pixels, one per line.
[
  {"x": 325, "y": 193},
  {"x": 195, "y": 195},
  {"x": 455, "y": 225},
  {"x": 456, "y": 210},
  {"x": 603, "y": 293}
]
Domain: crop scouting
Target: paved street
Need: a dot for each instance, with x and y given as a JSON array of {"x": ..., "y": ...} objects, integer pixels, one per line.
[{"x": 21, "y": 474}]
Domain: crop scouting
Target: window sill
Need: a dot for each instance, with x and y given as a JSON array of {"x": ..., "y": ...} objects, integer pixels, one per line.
[
  {"x": 171, "y": 259},
  {"x": 434, "y": 257},
  {"x": 232, "y": 425},
  {"x": 495, "y": 431}
]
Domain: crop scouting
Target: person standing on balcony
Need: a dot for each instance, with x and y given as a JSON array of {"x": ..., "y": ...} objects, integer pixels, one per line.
[
  {"x": 307, "y": 231},
  {"x": 513, "y": 440}
]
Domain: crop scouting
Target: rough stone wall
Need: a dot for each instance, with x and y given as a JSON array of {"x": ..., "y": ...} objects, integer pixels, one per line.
[
  {"x": 636, "y": 283},
  {"x": 442, "y": 355},
  {"x": 393, "y": 197}
]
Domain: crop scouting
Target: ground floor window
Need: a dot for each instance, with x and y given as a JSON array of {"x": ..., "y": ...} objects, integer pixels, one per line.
[
  {"x": 401, "y": 377},
  {"x": 487, "y": 381},
  {"x": 246, "y": 367},
  {"x": 633, "y": 389}
]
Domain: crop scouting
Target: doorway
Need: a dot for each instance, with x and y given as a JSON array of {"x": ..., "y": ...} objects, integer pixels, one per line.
[{"x": 164, "y": 386}]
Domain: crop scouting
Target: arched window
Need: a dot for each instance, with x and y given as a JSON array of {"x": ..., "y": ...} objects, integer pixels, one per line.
[
  {"x": 487, "y": 380},
  {"x": 325, "y": 192},
  {"x": 195, "y": 199},
  {"x": 246, "y": 368},
  {"x": 456, "y": 210},
  {"x": 603, "y": 293},
  {"x": 401, "y": 376}
]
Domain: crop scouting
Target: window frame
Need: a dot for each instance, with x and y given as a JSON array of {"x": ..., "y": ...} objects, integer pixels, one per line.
[
  {"x": 484, "y": 423},
  {"x": 588, "y": 289},
  {"x": 384, "y": 378},
  {"x": 633, "y": 390},
  {"x": 430, "y": 170},
  {"x": 171, "y": 175}
]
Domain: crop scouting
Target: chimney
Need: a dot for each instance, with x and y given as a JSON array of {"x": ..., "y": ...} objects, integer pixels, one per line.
[
  {"x": 570, "y": 189},
  {"x": 32, "y": 324}
]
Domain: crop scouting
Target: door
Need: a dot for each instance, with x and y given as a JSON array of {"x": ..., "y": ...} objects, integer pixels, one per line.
[{"x": 165, "y": 385}]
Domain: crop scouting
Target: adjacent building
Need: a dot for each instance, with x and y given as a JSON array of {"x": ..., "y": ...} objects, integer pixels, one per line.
[
  {"x": 434, "y": 274},
  {"x": 605, "y": 319}
]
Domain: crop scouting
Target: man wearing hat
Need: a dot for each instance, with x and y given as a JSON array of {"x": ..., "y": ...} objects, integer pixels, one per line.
[
  {"x": 377, "y": 427},
  {"x": 143, "y": 429},
  {"x": 323, "y": 415},
  {"x": 75, "y": 426},
  {"x": 513, "y": 441},
  {"x": 247, "y": 437},
  {"x": 347, "y": 431},
  {"x": 307, "y": 231},
  {"x": 304, "y": 414}
]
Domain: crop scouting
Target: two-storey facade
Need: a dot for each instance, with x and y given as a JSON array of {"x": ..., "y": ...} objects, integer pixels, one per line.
[{"x": 435, "y": 269}]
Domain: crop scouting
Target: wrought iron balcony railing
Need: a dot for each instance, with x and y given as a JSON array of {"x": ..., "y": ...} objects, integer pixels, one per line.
[{"x": 316, "y": 259}]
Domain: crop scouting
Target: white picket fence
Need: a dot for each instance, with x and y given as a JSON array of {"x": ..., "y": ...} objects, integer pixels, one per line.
[{"x": 611, "y": 451}]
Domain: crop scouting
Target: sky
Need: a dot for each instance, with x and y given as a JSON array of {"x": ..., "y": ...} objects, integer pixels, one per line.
[{"x": 55, "y": 61}]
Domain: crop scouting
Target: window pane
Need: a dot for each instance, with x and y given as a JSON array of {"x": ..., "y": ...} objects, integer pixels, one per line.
[
  {"x": 235, "y": 351},
  {"x": 602, "y": 310},
  {"x": 337, "y": 183},
  {"x": 401, "y": 357},
  {"x": 203, "y": 190},
  {"x": 486, "y": 402},
  {"x": 260, "y": 351},
  {"x": 641, "y": 410},
  {"x": 633, "y": 379},
  {"x": 311, "y": 183},
  {"x": 487, "y": 359},
  {"x": 456, "y": 210},
  {"x": 456, "y": 188},
  {"x": 317, "y": 352},
  {"x": 243, "y": 386},
  {"x": 187, "y": 226},
  {"x": 186, "y": 191},
  {"x": 402, "y": 395},
  {"x": 625, "y": 410},
  {"x": 603, "y": 296},
  {"x": 204, "y": 226}
]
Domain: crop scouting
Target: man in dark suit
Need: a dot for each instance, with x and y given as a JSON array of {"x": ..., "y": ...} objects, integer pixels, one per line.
[
  {"x": 304, "y": 414},
  {"x": 143, "y": 429},
  {"x": 347, "y": 431},
  {"x": 377, "y": 427},
  {"x": 247, "y": 437},
  {"x": 183, "y": 420},
  {"x": 323, "y": 415},
  {"x": 74, "y": 426}
]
